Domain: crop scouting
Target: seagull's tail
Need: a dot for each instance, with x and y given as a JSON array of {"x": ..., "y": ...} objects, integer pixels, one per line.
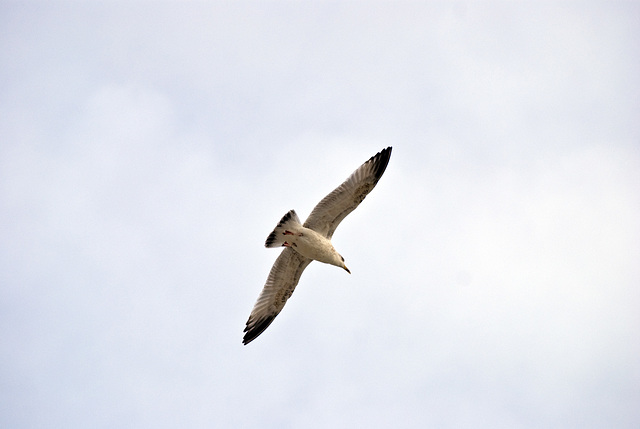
[{"x": 288, "y": 222}]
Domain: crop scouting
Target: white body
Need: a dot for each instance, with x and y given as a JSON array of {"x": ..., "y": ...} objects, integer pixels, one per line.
[
  {"x": 305, "y": 241},
  {"x": 314, "y": 246}
]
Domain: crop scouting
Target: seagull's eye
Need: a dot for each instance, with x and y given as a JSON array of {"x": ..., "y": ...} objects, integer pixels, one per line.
[{"x": 342, "y": 258}]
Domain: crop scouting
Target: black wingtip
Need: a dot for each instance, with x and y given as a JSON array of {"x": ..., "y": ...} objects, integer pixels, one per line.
[
  {"x": 380, "y": 161},
  {"x": 256, "y": 329}
]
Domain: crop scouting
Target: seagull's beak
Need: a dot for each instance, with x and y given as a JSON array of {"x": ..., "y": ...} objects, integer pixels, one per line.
[{"x": 346, "y": 269}]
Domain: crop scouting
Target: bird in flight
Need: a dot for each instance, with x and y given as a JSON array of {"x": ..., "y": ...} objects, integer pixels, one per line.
[{"x": 310, "y": 241}]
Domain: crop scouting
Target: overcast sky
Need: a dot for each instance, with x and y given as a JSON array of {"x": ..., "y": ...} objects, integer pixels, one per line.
[{"x": 148, "y": 149}]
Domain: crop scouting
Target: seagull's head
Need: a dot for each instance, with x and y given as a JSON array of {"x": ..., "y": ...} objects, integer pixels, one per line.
[{"x": 342, "y": 265}]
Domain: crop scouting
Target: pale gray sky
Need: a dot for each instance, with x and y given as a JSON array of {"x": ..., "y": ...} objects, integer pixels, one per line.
[{"x": 148, "y": 149}]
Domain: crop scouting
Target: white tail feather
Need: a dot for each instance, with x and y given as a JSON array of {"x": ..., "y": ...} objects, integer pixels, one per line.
[{"x": 288, "y": 222}]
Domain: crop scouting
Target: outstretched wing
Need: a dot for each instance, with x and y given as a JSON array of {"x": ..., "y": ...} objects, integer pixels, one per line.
[
  {"x": 282, "y": 280},
  {"x": 328, "y": 213}
]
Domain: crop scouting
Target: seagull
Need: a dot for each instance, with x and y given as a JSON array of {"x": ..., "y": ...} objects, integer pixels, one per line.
[{"x": 310, "y": 241}]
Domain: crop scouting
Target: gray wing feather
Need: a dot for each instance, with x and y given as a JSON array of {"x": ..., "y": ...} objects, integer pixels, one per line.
[
  {"x": 282, "y": 280},
  {"x": 328, "y": 213}
]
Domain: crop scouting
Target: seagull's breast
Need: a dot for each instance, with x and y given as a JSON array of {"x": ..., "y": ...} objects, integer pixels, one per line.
[{"x": 312, "y": 245}]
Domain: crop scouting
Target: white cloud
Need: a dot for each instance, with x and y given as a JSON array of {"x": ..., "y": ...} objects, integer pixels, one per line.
[{"x": 147, "y": 153}]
